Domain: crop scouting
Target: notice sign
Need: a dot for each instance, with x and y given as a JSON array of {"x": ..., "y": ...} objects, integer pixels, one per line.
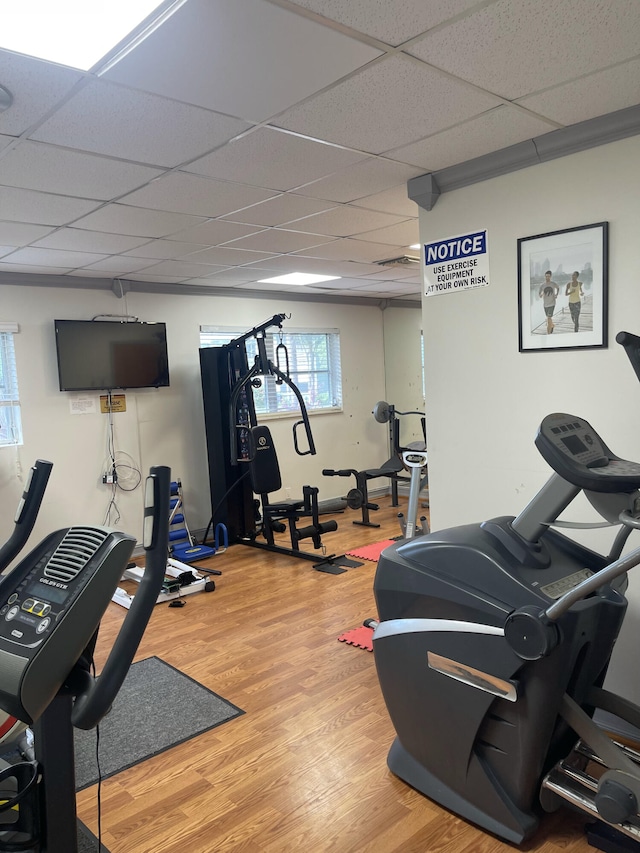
[{"x": 459, "y": 263}]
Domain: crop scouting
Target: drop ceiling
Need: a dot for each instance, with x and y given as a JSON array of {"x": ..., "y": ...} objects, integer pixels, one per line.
[{"x": 245, "y": 139}]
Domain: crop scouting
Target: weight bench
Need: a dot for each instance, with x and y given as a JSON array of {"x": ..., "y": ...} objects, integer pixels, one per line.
[
  {"x": 266, "y": 479},
  {"x": 358, "y": 497}
]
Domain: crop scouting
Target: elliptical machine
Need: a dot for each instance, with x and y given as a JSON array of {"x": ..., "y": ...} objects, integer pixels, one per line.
[
  {"x": 51, "y": 605},
  {"x": 493, "y": 645}
]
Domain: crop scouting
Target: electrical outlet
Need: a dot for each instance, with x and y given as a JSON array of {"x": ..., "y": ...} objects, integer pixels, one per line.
[{"x": 287, "y": 492}]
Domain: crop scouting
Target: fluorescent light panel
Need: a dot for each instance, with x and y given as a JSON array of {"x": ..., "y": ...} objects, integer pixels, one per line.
[
  {"x": 298, "y": 278},
  {"x": 76, "y": 33}
]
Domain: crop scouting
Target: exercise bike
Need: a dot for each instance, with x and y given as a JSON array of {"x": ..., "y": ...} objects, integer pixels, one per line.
[
  {"x": 493, "y": 644},
  {"x": 51, "y": 604}
]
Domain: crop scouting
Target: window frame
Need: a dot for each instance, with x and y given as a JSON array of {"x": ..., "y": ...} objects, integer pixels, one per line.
[
  {"x": 268, "y": 400},
  {"x": 11, "y": 434}
]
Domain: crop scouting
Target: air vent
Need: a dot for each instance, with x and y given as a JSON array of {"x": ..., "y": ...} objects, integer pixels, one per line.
[
  {"x": 402, "y": 261},
  {"x": 73, "y": 553}
]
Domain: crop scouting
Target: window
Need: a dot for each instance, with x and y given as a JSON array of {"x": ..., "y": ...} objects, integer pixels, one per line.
[
  {"x": 10, "y": 422},
  {"x": 312, "y": 359}
]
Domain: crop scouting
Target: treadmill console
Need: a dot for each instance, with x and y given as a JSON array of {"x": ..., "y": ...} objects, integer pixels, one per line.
[{"x": 576, "y": 452}]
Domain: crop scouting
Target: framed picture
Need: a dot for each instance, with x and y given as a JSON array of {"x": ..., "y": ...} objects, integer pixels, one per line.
[{"x": 562, "y": 289}]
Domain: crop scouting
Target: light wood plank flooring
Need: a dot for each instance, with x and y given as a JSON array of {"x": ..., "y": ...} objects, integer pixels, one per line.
[{"x": 304, "y": 769}]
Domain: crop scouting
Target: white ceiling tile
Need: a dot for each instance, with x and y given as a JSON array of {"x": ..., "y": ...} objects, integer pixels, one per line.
[
  {"x": 36, "y": 87},
  {"x": 388, "y": 288},
  {"x": 348, "y": 249},
  {"x": 29, "y": 268},
  {"x": 403, "y": 234},
  {"x": 112, "y": 120},
  {"x": 4, "y": 250},
  {"x": 36, "y": 166},
  {"x": 279, "y": 240},
  {"x": 391, "y": 274},
  {"x": 212, "y": 281},
  {"x": 392, "y": 23},
  {"x": 345, "y": 221},
  {"x": 79, "y": 240},
  {"x": 249, "y": 59},
  {"x": 163, "y": 250},
  {"x": 136, "y": 221},
  {"x": 498, "y": 128},
  {"x": 224, "y": 256},
  {"x": 387, "y": 104},
  {"x": 5, "y": 141},
  {"x": 182, "y": 268},
  {"x": 280, "y": 210},
  {"x": 19, "y": 234},
  {"x": 236, "y": 275},
  {"x": 394, "y": 200},
  {"x": 55, "y": 257},
  {"x": 373, "y": 175},
  {"x": 515, "y": 49},
  {"x": 120, "y": 265},
  {"x": 299, "y": 263},
  {"x": 274, "y": 159},
  {"x": 271, "y": 288},
  {"x": 45, "y": 208},
  {"x": 90, "y": 272},
  {"x": 213, "y": 232},
  {"x": 595, "y": 95},
  {"x": 184, "y": 193},
  {"x": 156, "y": 279}
]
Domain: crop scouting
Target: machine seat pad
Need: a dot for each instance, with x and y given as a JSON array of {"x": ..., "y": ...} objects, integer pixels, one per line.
[
  {"x": 389, "y": 469},
  {"x": 286, "y": 506}
]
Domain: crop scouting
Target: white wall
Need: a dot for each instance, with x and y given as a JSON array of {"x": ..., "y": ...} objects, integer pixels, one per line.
[
  {"x": 484, "y": 399},
  {"x": 166, "y": 426},
  {"x": 403, "y": 368}
]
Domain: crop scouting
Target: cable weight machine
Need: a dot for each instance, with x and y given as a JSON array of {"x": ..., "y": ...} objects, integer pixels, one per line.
[{"x": 241, "y": 455}]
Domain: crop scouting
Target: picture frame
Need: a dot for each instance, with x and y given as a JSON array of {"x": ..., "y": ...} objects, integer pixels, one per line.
[{"x": 563, "y": 289}]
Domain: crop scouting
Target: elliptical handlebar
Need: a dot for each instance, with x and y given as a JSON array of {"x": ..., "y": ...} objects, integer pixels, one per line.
[
  {"x": 26, "y": 512},
  {"x": 95, "y": 700}
]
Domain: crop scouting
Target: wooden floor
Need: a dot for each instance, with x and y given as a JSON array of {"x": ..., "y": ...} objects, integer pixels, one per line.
[{"x": 304, "y": 769}]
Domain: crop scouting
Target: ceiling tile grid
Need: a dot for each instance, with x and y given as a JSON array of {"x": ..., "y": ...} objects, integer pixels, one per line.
[
  {"x": 250, "y": 60},
  {"x": 36, "y": 86},
  {"x": 473, "y": 138},
  {"x": 391, "y": 22},
  {"x": 36, "y": 166},
  {"x": 387, "y": 104},
  {"x": 549, "y": 42},
  {"x": 274, "y": 159},
  {"x": 242, "y": 140},
  {"x": 112, "y": 120}
]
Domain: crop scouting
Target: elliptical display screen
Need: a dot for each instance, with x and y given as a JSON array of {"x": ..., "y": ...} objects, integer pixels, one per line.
[{"x": 573, "y": 444}]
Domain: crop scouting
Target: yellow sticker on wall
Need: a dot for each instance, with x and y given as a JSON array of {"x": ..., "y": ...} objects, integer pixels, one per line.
[{"x": 118, "y": 403}]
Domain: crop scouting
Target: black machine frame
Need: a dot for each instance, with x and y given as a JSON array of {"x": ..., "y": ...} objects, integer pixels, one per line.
[{"x": 230, "y": 420}]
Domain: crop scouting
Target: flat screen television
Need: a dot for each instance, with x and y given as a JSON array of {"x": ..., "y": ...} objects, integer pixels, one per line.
[{"x": 98, "y": 355}]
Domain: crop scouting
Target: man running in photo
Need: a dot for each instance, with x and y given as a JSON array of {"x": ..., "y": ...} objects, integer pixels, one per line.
[{"x": 548, "y": 292}]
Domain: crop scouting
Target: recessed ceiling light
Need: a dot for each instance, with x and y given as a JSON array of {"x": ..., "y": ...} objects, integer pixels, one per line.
[
  {"x": 75, "y": 33},
  {"x": 298, "y": 278}
]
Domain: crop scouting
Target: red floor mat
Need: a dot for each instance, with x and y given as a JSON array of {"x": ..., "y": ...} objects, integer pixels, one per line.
[
  {"x": 371, "y": 552},
  {"x": 361, "y": 637}
]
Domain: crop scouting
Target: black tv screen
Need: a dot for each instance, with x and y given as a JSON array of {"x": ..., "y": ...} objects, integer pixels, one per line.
[{"x": 98, "y": 355}]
